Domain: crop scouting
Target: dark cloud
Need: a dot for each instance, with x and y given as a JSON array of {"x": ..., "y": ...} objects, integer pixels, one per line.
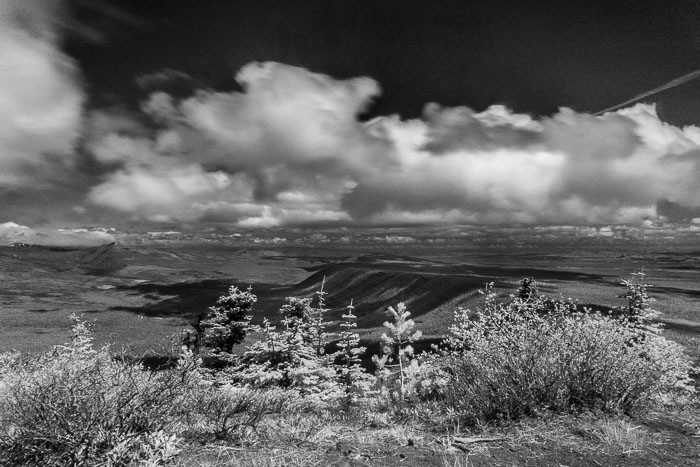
[
  {"x": 173, "y": 82},
  {"x": 459, "y": 128}
]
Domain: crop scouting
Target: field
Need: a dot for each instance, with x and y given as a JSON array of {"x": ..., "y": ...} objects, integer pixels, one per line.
[{"x": 140, "y": 294}]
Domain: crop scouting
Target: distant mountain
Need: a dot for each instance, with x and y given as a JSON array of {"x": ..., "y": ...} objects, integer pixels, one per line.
[{"x": 676, "y": 212}]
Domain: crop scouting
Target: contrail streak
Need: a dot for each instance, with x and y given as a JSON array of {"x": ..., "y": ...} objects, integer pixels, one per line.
[{"x": 671, "y": 84}]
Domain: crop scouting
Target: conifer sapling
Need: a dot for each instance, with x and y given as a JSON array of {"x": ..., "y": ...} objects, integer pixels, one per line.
[
  {"x": 348, "y": 356},
  {"x": 396, "y": 345}
]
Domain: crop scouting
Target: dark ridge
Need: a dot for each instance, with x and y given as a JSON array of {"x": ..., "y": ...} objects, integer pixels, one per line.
[
  {"x": 674, "y": 290},
  {"x": 377, "y": 259},
  {"x": 99, "y": 260},
  {"x": 43, "y": 247},
  {"x": 423, "y": 287},
  {"x": 373, "y": 290},
  {"x": 185, "y": 299},
  {"x": 373, "y": 282}
]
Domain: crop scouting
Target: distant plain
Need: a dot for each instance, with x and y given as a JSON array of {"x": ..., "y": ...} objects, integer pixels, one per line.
[{"x": 141, "y": 294}]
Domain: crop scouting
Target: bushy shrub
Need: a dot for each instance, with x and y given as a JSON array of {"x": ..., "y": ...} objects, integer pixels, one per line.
[
  {"x": 77, "y": 405},
  {"x": 531, "y": 354},
  {"x": 229, "y": 410}
]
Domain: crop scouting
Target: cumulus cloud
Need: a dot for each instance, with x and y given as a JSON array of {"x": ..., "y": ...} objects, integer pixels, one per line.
[
  {"x": 41, "y": 105},
  {"x": 290, "y": 148},
  {"x": 497, "y": 166},
  {"x": 285, "y": 115},
  {"x": 167, "y": 193},
  {"x": 291, "y": 136},
  {"x": 40, "y": 100}
]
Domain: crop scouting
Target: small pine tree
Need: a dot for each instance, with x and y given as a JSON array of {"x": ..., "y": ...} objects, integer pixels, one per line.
[
  {"x": 297, "y": 317},
  {"x": 638, "y": 310},
  {"x": 350, "y": 373},
  {"x": 396, "y": 346},
  {"x": 349, "y": 342},
  {"x": 318, "y": 321},
  {"x": 638, "y": 313},
  {"x": 527, "y": 290}
]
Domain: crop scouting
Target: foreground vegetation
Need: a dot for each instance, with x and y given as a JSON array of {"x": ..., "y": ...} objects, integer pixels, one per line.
[{"x": 506, "y": 367}]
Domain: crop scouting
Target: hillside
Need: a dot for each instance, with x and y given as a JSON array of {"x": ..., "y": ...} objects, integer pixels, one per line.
[{"x": 140, "y": 295}]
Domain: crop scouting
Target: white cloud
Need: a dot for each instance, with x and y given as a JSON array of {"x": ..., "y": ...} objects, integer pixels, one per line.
[
  {"x": 40, "y": 100},
  {"x": 293, "y": 134},
  {"x": 290, "y": 149},
  {"x": 167, "y": 193}
]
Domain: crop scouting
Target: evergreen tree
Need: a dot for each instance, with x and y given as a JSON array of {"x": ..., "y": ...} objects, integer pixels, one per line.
[
  {"x": 527, "y": 290},
  {"x": 351, "y": 374},
  {"x": 293, "y": 356},
  {"x": 638, "y": 313},
  {"x": 317, "y": 324},
  {"x": 396, "y": 346},
  {"x": 226, "y": 324}
]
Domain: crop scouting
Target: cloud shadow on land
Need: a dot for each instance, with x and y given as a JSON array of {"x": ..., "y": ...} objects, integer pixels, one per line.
[{"x": 372, "y": 282}]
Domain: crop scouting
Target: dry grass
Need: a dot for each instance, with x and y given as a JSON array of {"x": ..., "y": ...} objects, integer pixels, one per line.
[
  {"x": 220, "y": 456},
  {"x": 622, "y": 436},
  {"x": 311, "y": 439},
  {"x": 324, "y": 439},
  {"x": 586, "y": 433}
]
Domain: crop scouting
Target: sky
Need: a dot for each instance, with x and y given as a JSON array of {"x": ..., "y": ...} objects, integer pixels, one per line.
[{"x": 256, "y": 114}]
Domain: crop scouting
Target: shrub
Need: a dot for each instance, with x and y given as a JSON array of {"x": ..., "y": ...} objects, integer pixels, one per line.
[
  {"x": 76, "y": 405},
  {"x": 527, "y": 355},
  {"x": 228, "y": 409}
]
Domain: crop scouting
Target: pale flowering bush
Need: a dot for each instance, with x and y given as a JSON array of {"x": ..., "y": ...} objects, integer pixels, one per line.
[
  {"x": 427, "y": 377},
  {"x": 518, "y": 358},
  {"x": 77, "y": 405}
]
